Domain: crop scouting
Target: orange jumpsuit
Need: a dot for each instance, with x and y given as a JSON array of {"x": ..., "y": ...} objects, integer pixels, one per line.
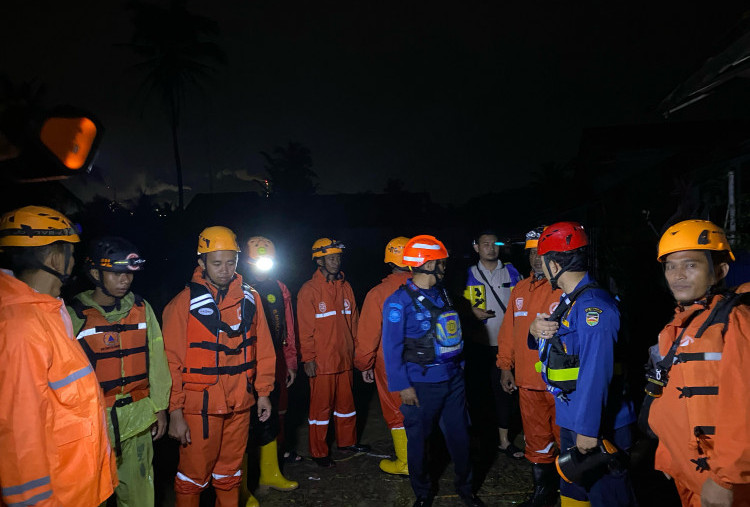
[
  {"x": 327, "y": 316},
  {"x": 529, "y": 297},
  {"x": 54, "y": 448},
  {"x": 369, "y": 350},
  {"x": 704, "y": 427},
  {"x": 220, "y": 436}
]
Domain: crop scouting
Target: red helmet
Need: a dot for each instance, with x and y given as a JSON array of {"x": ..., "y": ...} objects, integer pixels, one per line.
[
  {"x": 562, "y": 237},
  {"x": 421, "y": 249}
]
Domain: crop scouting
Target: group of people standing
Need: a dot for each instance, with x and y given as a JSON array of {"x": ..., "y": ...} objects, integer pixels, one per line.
[{"x": 91, "y": 384}]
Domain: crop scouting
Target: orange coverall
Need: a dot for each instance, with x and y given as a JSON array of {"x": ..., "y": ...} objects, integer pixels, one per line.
[
  {"x": 529, "y": 297},
  {"x": 723, "y": 419},
  {"x": 54, "y": 448},
  {"x": 217, "y": 458},
  {"x": 327, "y": 316},
  {"x": 369, "y": 350}
]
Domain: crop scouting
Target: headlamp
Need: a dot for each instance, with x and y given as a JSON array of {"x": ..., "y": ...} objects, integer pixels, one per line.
[{"x": 264, "y": 263}]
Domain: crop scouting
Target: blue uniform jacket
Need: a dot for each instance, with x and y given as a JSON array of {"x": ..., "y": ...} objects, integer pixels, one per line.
[
  {"x": 590, "y": 329},
  {"x": 402, "y": 322}
]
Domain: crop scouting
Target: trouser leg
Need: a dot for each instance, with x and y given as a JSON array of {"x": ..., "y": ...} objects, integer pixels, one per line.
[
  {"x": 389, "y": 402},
  {"x": 322, "y": 388},
  {"x": 198, "y": 458},
  {"x": 345, "y": 415},
  {"x": 135, "y": 471},
  {"x": 539, "y": 428},
  {"x": 419, "y": 422},
  {"x": 227, "y": 472},
  {"x": 454, "y": 422}
]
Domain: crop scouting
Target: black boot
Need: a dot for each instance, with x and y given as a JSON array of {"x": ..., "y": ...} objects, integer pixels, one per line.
[{"x": 546, "y": 483}]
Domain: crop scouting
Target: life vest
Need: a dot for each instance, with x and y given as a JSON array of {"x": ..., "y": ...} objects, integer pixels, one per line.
[
  {"x": 273, "y": 306},
  {"x": 443, "y": 342},
  {"x": 118, "y": 351},
  {"x": 203, "y": 348}
]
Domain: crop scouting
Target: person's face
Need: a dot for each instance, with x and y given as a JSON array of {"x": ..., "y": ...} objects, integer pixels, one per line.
[
  {"x": 690, "y": 273},
  {"x": 536, "y": 261},
  {"x": 546, "y": 270},
  {"x": 331, "y": 263},
  {"x": 117, "y": 284},
  {"x": 438, "y": 267},
  {"x": 56, "y": 261},
  {"x": 486, "y": 247},
  {"x": 220, "y": 267}
]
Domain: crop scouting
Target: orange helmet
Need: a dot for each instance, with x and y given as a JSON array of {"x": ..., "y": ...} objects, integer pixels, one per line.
[
  {"x": 35, "y": 226},
  {"x": 693, "y": 235},
  {"x": 532, "y": 237},
  {"x": 394, "y": 251},
  {"x": 326, "y": 246},
  {"x": 217, "y": 238},
  {"x": 423, "y": 248}
]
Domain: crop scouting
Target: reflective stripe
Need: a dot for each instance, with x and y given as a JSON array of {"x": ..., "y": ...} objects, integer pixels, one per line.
[
  {"x": 712, "y": 356},
  {"x": 399, "y": 428},
  {"x": 520, "y": 314},
  {"x": 185, "y": 478},
  {"x": 72, "y": 377},
  {"x": 236, "y": 326},
  {"x": 562, "y": 374},
  {"x": 249, "y": 295},
  {"x": 201, "y": 299},
  {"x": 413, "y": 259},
  {"x": 318, "y": 423},
  {"x": 238, "y": 473},
  {"x": 89, "y": 332},
  {"x": 425, "y": 246},
  {"x": 201, "y": 303},
  {"x": 33, "y": 500},
  {"x": 327, "y": 314},
  {"x": 21, "y": 488},
  {"x": 350, "y": 414},
  {"x": 346, "y": 312},
  {"x": 546, "y": 449}
]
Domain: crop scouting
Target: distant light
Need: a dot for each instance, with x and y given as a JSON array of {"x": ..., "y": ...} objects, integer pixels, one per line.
[
  {"x": 264, "y": 264},
  {"x": 499, "y": 243}
]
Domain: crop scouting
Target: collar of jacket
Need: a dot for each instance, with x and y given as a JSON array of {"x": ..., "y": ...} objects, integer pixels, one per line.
[
  {"x": 320, "y": 278},
  {"x": 126, "y": 303}
]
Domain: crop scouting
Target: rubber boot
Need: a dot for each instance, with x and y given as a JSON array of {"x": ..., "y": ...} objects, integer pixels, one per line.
[
  {"x": 545, "y": 485},
  {"x": 229, "y": 498},
  {"x": 566, "y": 501},
  {"x": 183, "y": 500},
  {"x": 246, "y": 496},
  {"x": 270, "y": 475},
  {"x": 398, "y": 466}
]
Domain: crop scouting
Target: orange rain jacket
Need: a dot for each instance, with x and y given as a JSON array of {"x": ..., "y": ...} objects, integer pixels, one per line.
[
  {"x": 228, "y": 393},
  {"x": 529, "y": 297},
  {"x": 723, "y": 418},
  {"x": 327, "y": 316},
  {"x": 369, "y": 351},
  {"x": 54, "y": 448}
]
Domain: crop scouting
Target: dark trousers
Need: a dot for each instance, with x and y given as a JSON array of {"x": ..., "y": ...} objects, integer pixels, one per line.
[
  {"x": 613, "y": 489},
  {"x": 443, "y": 403}
]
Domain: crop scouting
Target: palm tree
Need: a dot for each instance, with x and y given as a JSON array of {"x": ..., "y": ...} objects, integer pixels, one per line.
[{"x": 178, "y": 54}]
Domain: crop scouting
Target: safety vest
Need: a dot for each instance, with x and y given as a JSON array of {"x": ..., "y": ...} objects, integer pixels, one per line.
[
  {"x": 273, "y": 306},
  {"x": 203, "y": 348},
  {"x": 118, "y": 351},
  {"x": 443, "y": 342}
]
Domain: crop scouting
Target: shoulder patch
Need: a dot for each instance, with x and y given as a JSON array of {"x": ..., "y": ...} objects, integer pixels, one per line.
[
  {"x": 394, "y": 313},
  {"x": 592, "y": 315}
]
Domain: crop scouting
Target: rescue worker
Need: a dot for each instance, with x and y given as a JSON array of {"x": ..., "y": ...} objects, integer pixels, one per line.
[
  {"x": 422, "y": 346},
  {"x": 368, "y": 356},
  {"x": 277, "y": 306},
  {"x": 327, "y": 316},
  {"x": 516, "y": 362},
  {"x": 488, "y": 286},
  {"x": 700, "y": 411},
  {"x": 53, "y": 436},
  {"x": 577, "y": 361},
  {"x": 219, "y": 349},
  {"x": 121, "y": 336}
]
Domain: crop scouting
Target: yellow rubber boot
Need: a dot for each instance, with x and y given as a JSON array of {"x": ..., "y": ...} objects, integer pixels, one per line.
[
  {"x": 270, "y": 475},
  {"x": 566, "y": 501},
  {"x": 399, "y": 465},
  {"x": 245, "y": 495}
]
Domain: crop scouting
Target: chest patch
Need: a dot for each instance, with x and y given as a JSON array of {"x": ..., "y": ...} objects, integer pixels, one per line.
[
  {"x": 111, "y": 340},
  {"x": 519, "y": 303},
  {"x": 205, "y": 311},
  {"x": 322, "y": 307},
  {"x": 347, "y": 305}
]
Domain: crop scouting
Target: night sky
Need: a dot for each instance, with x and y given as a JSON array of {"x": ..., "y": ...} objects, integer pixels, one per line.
[{"x": 452, "y": 98}]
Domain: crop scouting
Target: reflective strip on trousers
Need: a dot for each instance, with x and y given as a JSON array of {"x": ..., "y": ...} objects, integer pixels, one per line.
[
  {"x": 350, "y": 414},
  {"x": 185, "y": 478}
]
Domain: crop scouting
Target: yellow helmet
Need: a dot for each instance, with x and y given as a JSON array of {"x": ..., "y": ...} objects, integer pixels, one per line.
[
  {"x": 35, "y": 226},
  {"x": 693, "y": 235},
  {"x": 394, "y": 251},
  {"x": 217, "y": 238},
  {"x": 326, "y": 246}
]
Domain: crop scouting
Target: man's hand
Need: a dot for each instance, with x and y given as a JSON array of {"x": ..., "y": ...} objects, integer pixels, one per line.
[
  {"x": 482, "y": 314},
  {"x": 586, "y": 444},
  {"x": 507, "y": 382},
  {"x": 368, "y": 376},
  {"x": 713, "y": 495},
  {"x": 409, "y": 396},
  {"x": 290, "y": 376},
  {"x": 311, "y": 368},
  {"x": 178, "y": 428},
  {"x": 264, "y": 408},
  {"x": 543, "y": 329},
  {"x": 160, "y": 426}
]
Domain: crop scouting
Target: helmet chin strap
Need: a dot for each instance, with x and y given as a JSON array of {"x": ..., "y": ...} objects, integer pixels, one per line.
[
  {"x": 553, "y": 279},
  {"x": 61, "y": 276},
  {"x": 100, "y": 284}
]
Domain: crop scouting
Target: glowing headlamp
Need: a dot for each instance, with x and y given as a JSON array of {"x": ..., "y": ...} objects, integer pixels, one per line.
[{"x": 264, "y": 263}]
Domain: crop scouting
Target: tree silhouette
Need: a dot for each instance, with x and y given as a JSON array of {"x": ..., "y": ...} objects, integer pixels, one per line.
[
  {"x": 178, "y": 54},
  {"x": 290, "y": 170}
]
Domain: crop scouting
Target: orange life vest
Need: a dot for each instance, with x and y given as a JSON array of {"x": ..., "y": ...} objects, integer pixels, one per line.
[
  {"x": 118, "y": 351},
  {"x": 203, "y": 348}
]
